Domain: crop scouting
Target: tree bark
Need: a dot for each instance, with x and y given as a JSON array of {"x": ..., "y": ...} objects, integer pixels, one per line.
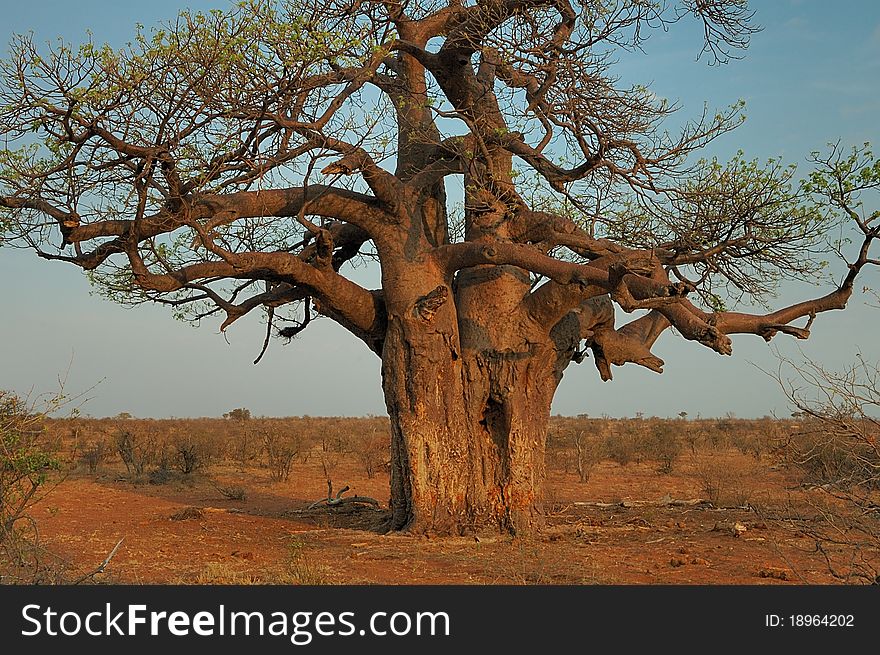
[
  {"x": 467, "y": 438},
  {"x": 469, "y": 407}
]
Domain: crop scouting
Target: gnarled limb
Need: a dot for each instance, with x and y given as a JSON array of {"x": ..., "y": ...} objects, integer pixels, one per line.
[
  {"x": 351, "y": 305},
  {"x": 457, "y": 256},
  {"x": 616, "y": 273},
  {"x": 222, "y": 209},
  {"x": 768, "y": 325},
  {"x": 555, "y": 230},
  {"x": 630, "y": 343},
  {"x": 467, "y": 28}
]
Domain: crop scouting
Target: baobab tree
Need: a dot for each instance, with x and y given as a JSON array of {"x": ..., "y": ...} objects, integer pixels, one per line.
[{"x": 244, "y": 159}]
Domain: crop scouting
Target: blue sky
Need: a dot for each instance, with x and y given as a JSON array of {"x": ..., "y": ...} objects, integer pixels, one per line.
[{"x": 810, "y": 77}]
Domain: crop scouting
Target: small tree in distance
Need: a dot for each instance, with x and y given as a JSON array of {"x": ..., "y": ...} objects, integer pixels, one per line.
[
  {"x": 244, "y": 159},
  {"x": 238, "y": 414}
]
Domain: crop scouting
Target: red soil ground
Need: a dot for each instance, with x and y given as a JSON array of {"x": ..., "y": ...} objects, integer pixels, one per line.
[{"x": 269, "y": 538}]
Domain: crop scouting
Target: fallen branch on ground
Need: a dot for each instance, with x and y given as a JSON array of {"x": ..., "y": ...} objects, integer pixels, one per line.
[
  {"x": 336, "y": 501},
  {"x": 663, "y": 502},
  {"x": 101, "y": 566}
]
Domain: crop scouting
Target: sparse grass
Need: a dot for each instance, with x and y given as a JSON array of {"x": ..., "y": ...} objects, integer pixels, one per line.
[
  {"x": 525, "y": 563},
  {"x": 221, "y": 573},
  {"x": 296, "y": 569}
]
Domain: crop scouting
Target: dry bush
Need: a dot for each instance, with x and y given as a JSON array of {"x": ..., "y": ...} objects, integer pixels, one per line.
[
  {"x": 138, "y": 446},
  {"x": 558, "y": 453},
  {"x": 717, "y": 433},
  {"x": 280, "y": 445},
  {"x": 663, "y": 444},
  {"x": 335, "y": 436},
  {"x": 578, "y": 444},
  {"x": 244, "y": 444},
  {"x": 723, "y": 484},
  {"x": 840, "y": 452},
  {"x": 691, "y": 435},
  {"x": 770, "y": 434},
  {"x": 757, "y": 441},
  {"x": 589, "y": 453},
  {"x": 712, "y": 476},
  {"x": 28, "y": 461},
  {"x": 93, "y": 453},
  {"x": 623, "y": 445},
  {"x": 87, "y": 442},
  {"x": 372, "y": 449},
  {"x": 231, "y": 492},
  {"x": 575, "y": 444},
  {"x": 836, "y": 450},
  {"x": 190, "y": 451},
  {"x": 332, "y": 444},
  {"x": 188, "y": 458},
  {"x": 329, "y": 462}
]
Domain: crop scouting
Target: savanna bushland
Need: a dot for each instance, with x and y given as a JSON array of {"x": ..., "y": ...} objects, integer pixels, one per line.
[
  {"x": 245, "y": 499},
  {"x": 239, "y": 161}
]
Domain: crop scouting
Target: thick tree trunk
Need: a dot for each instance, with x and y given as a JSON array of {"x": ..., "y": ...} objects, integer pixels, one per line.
[
  {"x": 428, "y": 443},
  {"x": 467, "y": 441},
  {"x": 469, "y": 419}
]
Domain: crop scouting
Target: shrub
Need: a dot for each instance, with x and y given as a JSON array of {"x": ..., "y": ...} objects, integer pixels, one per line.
[
  {"x": 27, "y": 461},
  {"x": 372, "y": 449},
  {"x": 231, "y": 492},
  {"x": 136, "y": 450},
  {"x": 190, "y": 452},
  {"x": 281, "y": 447},
  {"x": 664, "y": 445},
  {"x": 244, "y": 445},
  {"x": 589, "y": 452},
  {"x": 714, "y": 479},
  {"x": 92, "y": 454},
  {"x": 724, "y": 484},
  {"x": 238, "y": 414},
  {"x": 836, "y": 452},
  {"x": 621, "y": 446}
]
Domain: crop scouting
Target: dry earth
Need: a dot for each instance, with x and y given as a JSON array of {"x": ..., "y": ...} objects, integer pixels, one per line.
[{"x": 618, "y": 528}]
